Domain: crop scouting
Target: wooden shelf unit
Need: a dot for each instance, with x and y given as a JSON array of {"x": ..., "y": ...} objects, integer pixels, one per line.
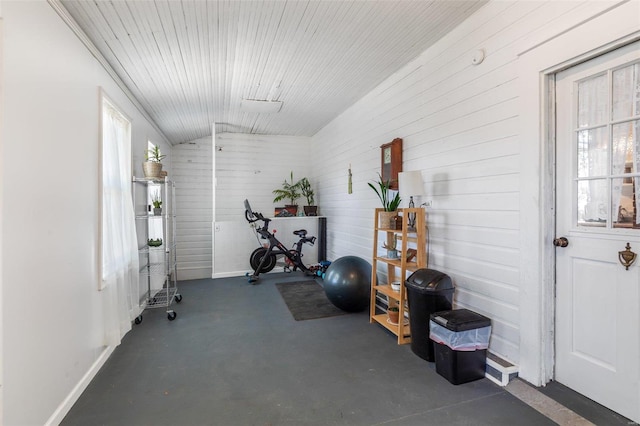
[{"x": 397, "y": 269}]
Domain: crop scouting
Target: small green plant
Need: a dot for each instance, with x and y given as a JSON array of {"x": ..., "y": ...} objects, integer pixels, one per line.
[
  {"x": 156, "y": 200},
  {"x": 382, "y": 191},
  {"x": 307, "y": 191},
  {"x": 289, "y": 191},
  {"x": 154, "y": 243},
  {"x": 393, "y": 309},
  {"x": 392, "y": 243},
  {"x": 154, "y": 155}
]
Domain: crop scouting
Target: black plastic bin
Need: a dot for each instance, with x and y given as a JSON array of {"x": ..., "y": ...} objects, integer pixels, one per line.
[
  {"x": 461, "y": 338},
  {"x": 428, "y": 291}
]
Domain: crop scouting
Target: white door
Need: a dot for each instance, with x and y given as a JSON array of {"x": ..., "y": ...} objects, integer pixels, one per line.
[{"x": 598, "y": 187}]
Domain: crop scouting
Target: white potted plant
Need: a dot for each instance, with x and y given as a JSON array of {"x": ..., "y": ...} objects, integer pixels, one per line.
[
  {"x": 152, "y": 167},
  {"x": 157, "y": 204}
]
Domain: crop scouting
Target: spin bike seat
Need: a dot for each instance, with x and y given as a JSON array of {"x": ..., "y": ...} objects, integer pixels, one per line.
[{"x": 300, "y": 233}]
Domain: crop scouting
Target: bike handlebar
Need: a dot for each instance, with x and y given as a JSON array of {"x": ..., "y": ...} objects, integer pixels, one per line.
[{"x": 250, "y": 215}]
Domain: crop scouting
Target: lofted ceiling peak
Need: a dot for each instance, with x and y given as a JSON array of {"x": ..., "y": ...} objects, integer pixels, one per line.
[{"x": 191, "y": 63}]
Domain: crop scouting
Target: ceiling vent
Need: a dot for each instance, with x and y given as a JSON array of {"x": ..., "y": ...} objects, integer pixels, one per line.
[{"x": 262, "y": 107}]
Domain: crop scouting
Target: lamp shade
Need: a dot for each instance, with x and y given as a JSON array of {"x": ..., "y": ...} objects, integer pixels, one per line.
[{"x": 410, "y": 183}]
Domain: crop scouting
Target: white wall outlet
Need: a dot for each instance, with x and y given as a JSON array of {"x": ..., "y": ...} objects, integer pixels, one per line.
[{"x": 428, "y": 203}]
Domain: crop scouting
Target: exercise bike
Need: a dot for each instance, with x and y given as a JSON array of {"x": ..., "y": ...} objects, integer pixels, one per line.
[{"x": 263, "y": 259}]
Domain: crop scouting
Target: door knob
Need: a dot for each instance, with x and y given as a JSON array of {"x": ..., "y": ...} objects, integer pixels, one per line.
[{"x": 560, "y": 242}]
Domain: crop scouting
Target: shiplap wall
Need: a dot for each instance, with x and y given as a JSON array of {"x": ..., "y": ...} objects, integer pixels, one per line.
[
  {"x": 246, "y": 167},
  {"x": 250, "y": 167},
  {"x": 193, "y": 174},
  {"x": 459, "y": 123}
]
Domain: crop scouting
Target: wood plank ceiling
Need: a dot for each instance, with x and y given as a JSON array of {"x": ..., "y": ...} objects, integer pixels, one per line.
[{"x": 190, "y": 63}]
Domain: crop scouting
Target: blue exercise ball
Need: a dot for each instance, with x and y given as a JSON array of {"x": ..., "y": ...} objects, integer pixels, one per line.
[{"x": 347, "y": 283}]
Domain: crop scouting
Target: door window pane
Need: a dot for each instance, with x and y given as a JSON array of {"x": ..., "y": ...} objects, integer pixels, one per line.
[
  {"x": 592, "y": 101},
  {"x": 624, "y": 155},
  {"x": 623, "y": 202},
  {"x": 593, "y": 152},
  {"x": 626, "y": 92},
  {"x": 592, "y": 202}
]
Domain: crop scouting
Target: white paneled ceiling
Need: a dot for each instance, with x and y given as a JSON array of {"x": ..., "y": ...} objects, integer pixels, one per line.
[{"x": 190, "y": 63}]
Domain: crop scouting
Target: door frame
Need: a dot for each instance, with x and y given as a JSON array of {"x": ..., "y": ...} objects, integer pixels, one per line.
[{"x": 537, "y": 65}]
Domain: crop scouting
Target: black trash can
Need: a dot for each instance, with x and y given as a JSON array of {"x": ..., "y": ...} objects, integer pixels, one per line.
[
  {"x": 461, "y": 338},
  {"x": 428, "y": 291}
]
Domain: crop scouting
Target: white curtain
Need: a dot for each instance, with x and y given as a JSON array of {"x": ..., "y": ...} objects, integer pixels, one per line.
[{"x": 120, "y": 276}]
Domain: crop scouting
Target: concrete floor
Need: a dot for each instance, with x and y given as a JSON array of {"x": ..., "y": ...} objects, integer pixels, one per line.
[{"x": 235, "y": 356}]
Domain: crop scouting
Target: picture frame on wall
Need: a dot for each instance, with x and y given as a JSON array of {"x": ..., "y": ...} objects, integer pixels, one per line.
[{"x": 391, "y": 162}]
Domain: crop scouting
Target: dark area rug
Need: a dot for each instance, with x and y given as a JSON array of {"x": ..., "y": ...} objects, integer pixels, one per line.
[{"x": 306, "y": 300}]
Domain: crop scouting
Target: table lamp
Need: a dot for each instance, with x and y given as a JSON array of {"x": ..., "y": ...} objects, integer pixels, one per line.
[{"x": 410, "y": 184}]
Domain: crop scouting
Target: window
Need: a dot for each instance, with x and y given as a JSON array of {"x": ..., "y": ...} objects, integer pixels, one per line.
[
  {"x": 119, "y": 248},
  {"x": 608, "y": 148}
]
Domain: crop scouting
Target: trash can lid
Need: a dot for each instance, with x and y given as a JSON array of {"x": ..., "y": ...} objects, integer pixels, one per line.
[
  {"x": 460, "y": 319},
  {"x": 429, "y": 281}
]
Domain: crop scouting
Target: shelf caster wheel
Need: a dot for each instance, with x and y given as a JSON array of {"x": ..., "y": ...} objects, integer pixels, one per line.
[
  {"x": 138, "y": 319},
  {"x": 178, "y": 298},
  {"x": 171, "y": 315}
]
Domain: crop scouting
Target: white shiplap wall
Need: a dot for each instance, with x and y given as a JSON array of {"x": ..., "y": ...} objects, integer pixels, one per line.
[
  {"x": 459, "y": 123},
  {"x": 250, "y": 167},
  {"x": 193, "y": 174}
]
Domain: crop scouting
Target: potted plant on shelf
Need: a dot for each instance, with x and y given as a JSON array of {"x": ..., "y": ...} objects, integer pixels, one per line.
[
  {"x": 394, "y": 314},
  {"x": 289, "y": 191},
  {"x": 152, "y": 167},
  {"x": 391, "y": 246},
  {"x": 390, "y": 203},
  {"x": 305, "y": 188},
  {"x": 154, "y": 243},
  {"x": 157, "y": 204}
]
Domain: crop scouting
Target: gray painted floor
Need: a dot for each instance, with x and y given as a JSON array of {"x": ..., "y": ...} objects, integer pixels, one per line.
[{"x": 235, "y": 356}]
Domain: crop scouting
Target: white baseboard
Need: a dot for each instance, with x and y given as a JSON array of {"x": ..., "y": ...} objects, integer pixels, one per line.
[
  {"x": 186, "y": 274},
  {"x": 230, "y": 274},
  {"x": 64, "y": 408}
]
